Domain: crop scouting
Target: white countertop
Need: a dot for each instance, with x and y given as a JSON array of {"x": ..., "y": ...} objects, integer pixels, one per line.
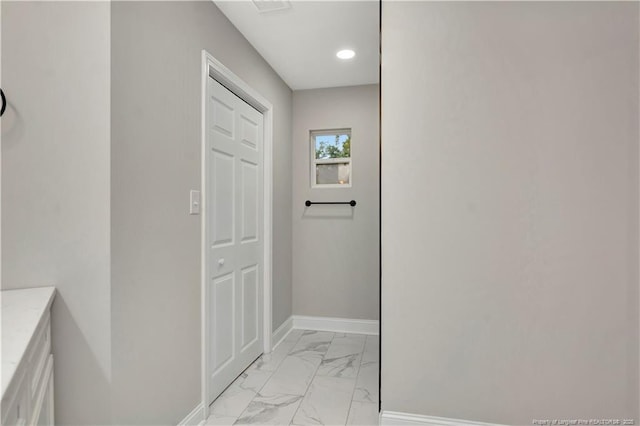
[{"x": 20, "y": 315}]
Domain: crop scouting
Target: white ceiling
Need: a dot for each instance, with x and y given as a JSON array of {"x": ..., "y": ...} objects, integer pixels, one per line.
[{"x": 301, "y": 42}]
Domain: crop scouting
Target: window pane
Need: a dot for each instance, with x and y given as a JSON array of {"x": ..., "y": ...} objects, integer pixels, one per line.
[
  {"x": 333, "y": 174},
  {"x": 333, "y": 146}
]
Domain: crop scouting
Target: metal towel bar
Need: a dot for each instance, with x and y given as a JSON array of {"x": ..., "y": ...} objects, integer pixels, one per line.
[
  {"x": 308, "y": 203},
  {"x": 4, "y": 103}
]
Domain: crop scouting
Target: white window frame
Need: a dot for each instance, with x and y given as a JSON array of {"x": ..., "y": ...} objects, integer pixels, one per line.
[{"x": 314, "y": 160}]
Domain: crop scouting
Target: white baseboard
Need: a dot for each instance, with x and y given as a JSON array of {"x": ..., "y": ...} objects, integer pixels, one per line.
[
  {"x": 194, "y": 418},
  {"x": 281, "y": 333},
  {"x": 395, "y": 418},
  {"x": 338, "y": 325}
]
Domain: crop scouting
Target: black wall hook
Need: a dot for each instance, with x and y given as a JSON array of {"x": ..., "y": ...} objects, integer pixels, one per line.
[{"x": 4, "y": 103}]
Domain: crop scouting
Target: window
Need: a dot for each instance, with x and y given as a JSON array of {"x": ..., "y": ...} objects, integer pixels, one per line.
[{"x": 331, "y": 158}]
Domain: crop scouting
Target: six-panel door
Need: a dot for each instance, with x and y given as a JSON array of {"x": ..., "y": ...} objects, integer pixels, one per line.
[{"x": 234, "y": 213}]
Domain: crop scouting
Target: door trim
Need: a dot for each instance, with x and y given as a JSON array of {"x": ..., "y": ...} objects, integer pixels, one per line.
[{"x": 212, "y": 68}]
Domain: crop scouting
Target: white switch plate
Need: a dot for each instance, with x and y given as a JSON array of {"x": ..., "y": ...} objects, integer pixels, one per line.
[{"x": 194, "y": 200}]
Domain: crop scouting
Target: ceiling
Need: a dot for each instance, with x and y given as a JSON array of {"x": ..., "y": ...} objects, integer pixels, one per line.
[{"x": 301, "y": 42}]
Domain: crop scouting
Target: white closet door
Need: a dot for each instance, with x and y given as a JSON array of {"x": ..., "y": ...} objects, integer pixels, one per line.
[{"x": 235, "y": 219}]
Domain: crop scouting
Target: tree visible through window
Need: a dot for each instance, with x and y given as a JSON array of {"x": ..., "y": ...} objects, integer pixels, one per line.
[
  {"x": 331, "y": 158},
  {"x": 339, "y": 147}
]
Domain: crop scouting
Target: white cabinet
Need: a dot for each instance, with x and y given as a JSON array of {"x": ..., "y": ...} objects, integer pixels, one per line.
[
  {"x": 27, "y": 362},
  {"x": 43, "y": 412},
  {"x": 15, "y": 411}
]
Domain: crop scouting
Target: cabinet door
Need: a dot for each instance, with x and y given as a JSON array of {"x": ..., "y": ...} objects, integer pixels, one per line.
[
  {"x": 45, "y": 416},
  {"x": 16, "y": 410}
]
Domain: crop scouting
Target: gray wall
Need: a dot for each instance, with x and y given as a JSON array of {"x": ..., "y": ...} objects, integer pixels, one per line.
[
  {"x": 510, "y": 210},
  {"x": 55, "y": 186},
  {"x": 156, "y": 66},
  {"x": 126, "y": 322},
  {"x": 335, "y": 248}
]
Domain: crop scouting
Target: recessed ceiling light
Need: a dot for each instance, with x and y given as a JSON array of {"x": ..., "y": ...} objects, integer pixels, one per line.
[
  {"x": 346, "y": 54},
  {"x": 265, "y": 6}
]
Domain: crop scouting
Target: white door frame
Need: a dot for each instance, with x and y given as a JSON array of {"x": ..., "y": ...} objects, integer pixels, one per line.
[{"x": 212, "y": 68}]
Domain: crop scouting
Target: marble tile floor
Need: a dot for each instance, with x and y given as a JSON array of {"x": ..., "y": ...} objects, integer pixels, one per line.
[{"x": 311, "y": 378}]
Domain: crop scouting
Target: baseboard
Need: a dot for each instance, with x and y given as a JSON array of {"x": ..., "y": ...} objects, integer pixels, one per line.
[
  {"x": 281, "y": 333},
  {"x": 338, "y": 325},
  {"x": 194, "y": 418},
  {"x": 395, "y": 418}
]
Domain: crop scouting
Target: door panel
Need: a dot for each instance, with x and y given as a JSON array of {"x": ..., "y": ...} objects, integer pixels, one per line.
[
  {"x": 249, "y": 202},
  {"x": 222, "y": 310},
  {"x": 249, "y": 133},
  {"x": 249, "y": 306},
  {"x": 222, "y": 166},
  {"x": 234, "y": 217},
  {"x": 223, "y": 118}
]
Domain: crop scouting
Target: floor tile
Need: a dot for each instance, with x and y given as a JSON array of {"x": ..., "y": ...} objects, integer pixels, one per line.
[
  {"x": 312, "y": 347},
  {"x": 294, "y": 335},
  {"x": 363, "y": 413},
  {"x": 355, "y": 339},
  {"x": 220, "y": 421},
  {"x": 292, "y": 377},
  {"x": 342, "y": 359},
  {"x": 312, "y": 344},
  {"x": 371, "y": 349},
  {"x": 312, "y": 377},
  {"x": 367, "y": 383},
  {"x": 326, "y": 403},
  {"x": 316, "y": 336},
  {"x": 232, "y": 402},
  {"x": 252, "y": 379},
  {"x": 340, "y": 365},
  {"x": 271, "y": 361},
  {"x": 237, "y": 396},
  {"x": 270, "y": 410}
]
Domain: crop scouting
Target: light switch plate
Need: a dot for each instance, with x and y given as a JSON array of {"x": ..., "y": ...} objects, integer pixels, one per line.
[{"x": 194, "y": 200}]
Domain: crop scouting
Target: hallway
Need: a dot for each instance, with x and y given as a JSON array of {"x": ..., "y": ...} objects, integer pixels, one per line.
[
  {"x": 462, "y": 178},
  {"x": 312, "y": 377}
]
